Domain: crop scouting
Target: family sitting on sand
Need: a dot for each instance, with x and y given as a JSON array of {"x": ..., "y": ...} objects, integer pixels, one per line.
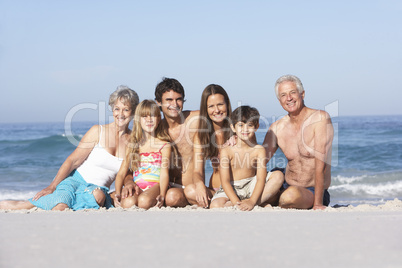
[{"x": 161, "y": 162}]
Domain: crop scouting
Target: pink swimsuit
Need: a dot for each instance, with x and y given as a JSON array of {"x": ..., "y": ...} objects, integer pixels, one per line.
[{"x": 149, "y": 172}]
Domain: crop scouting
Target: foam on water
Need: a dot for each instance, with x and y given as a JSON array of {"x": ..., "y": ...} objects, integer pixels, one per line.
[
  {"x": 16, "y": 195},
  {"x": 366, "y": 165},
  {"x": 367, "y": 188}
]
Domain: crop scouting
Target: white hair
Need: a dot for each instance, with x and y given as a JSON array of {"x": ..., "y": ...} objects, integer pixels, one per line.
[
  {"x": 289, "y": 78},
  {"x": 124, "y": 94}
]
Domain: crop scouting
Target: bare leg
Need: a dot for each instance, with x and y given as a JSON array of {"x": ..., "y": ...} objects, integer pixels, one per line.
[
  {"x": 296, "y": 197},
  {"x": 175, "y": 198},
  {"x": 129, "y": 201},
  {"x": 220, "y": 202},
  {"x": 100, "y": 197},
  {"x": 16, "y": 204},
  {"x": 270, "y": 194},
  {"x": 147, "y": 199},
  {"x": 112, "y": 197},
  {"x": 228, "y": 204},
  {"x": 190, "y": 194},
  {"x": 60, "y": 207}
]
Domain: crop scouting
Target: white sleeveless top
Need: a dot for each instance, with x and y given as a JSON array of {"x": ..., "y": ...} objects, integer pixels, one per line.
[{"x": 100, "y": 167}]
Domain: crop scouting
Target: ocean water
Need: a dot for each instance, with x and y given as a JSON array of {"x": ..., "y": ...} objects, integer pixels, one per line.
[{"x": 366, "y": 162}]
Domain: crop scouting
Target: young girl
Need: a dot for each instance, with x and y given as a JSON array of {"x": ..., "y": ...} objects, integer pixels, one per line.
[{"x": 148, "y": 154}]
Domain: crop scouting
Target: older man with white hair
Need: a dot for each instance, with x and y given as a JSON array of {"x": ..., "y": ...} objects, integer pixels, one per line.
[{"x": 305, "y": 137}]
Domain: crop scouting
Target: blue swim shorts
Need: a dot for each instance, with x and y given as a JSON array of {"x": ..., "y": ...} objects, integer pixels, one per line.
[{"x": 326, "y": 197}]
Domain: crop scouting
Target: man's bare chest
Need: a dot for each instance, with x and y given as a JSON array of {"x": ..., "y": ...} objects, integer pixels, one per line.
[
  {"x": 297, "y": 145},
  {"x": 184, "y": 140}
]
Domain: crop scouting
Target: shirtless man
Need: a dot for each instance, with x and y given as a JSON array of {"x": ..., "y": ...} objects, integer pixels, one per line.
[
  {"x": 305, "y": 137},
  {"x": 182, "y": 127}
]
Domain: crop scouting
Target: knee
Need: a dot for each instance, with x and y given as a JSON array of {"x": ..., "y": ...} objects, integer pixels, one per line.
[
  {"x": 60, "y": 207},
  {"x": 129, "y": 202},
  {"x": 219, "y": 202},
  {"x": 145, "y": 201},
  {"x": 100, "y": 197},
  {"x": 175, "y": 199},
  {"x": 289, "y": 197},
  {"x": 277, "y": 178},
  {"x": 214, "y": 204},
  {"x": 189, "y": 193}
]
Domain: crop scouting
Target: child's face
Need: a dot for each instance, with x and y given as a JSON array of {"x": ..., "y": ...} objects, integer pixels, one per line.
[
  {"x": 244, "y": 131},
  {"x": 149, "y": 123}
]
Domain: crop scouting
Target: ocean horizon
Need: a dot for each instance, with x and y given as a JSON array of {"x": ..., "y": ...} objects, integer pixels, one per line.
[{"x": 366, "y": 159}]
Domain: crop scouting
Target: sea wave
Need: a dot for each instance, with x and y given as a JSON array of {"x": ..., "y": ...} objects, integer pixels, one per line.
[
  {"x": 382, "y": 185},
  {"x": 16, "y": 195},
  {"x": 44, "y": 138},
  {"x": 40, "y": 145},
  {"x": 43, "y": 152}
]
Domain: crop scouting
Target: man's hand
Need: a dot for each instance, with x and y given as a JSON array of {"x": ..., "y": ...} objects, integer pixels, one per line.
[
  {"x": 231, "y": 141},
  {"x": 160, "y": 201},
  {"x": 201, "y": 195},
  {"x": 321, "y": 207}
]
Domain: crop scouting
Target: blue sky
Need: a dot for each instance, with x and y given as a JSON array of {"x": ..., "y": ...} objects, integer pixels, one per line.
[{"x": 58, "y": 55}]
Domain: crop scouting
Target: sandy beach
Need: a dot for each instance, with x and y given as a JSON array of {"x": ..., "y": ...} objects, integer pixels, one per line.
[{"x": 361, "y": 236}]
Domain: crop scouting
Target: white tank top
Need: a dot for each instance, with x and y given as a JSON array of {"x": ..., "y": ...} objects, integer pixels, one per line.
[{"x": 100, "y": 168}]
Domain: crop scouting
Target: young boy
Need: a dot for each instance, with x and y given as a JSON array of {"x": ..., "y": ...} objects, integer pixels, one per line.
[{"x": 242, "y": 167}]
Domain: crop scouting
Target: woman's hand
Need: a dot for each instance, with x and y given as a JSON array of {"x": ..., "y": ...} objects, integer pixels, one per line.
[
  {"x": 48, "y": 190},
  {"x": 231, "y": 141}
]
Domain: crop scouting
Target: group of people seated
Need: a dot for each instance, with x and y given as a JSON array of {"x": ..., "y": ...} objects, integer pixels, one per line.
[{"x": 161, "y": 161}]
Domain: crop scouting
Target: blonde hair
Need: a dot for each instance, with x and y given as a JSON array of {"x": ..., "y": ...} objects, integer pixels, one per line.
[{"x": 137, "y": 137}]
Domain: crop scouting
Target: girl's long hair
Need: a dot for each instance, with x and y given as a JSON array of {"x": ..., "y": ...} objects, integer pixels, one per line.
[
  {"x": 137, "y": 137},
  {"x": 205, "y": 125}
]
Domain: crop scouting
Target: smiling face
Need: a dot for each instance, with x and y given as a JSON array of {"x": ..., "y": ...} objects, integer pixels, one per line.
[
  {"x": 217, "y": 108},
  {"x": 149, "y": 123},
  {"x": 172, "y": 104},
  {"x": 290, "y": 98},
  {"x": 122, "y": 113},
  {"x": 245, "y": 131}
]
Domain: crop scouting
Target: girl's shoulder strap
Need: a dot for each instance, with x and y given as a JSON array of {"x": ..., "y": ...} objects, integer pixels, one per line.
[{"x": 162, "y": 146}]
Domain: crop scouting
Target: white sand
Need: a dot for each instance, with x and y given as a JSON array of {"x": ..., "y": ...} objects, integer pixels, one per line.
[{"x": 362, "y": 236}]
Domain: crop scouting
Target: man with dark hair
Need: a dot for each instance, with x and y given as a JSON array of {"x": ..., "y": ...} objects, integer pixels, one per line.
[
  {"x": 182, "y": 127},
  {"x": 168, "y": 84}
]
